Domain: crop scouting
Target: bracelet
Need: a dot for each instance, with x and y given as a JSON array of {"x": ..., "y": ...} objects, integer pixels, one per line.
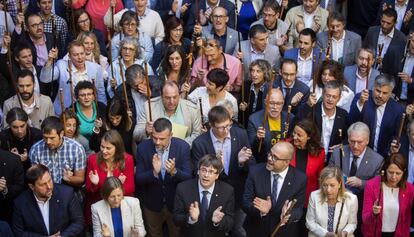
[{"x": 96, "y": 130}]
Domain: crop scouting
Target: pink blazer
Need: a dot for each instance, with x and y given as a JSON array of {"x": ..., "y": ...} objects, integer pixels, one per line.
[{"x": 371, "y": 194}]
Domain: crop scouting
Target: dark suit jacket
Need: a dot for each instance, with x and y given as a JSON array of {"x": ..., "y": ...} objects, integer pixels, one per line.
[
  {"x": 5, "y": 229},
  {"x": 237, "y": 175},
  {"x": 261, "y": 95},
  {"x": 368, "y": 168},
  {"x": 294, "y": 52},
  {"x": 389, "y": 125},
  {"x": 297, "y": 87},
  {"x": 255, "y": 121},
  {"x": 340, "y": 122},
  {"x": 12, "y": 170},
  {"x": 371, "y": 39},
  {"x": 154, "y": 192},
  {"x": 65, "y": 214},
  {"x": 350, "y": 77},
  {"x": 231, "y": 38},
  {"x": 393, "y": 64},
  {"x": 258, "y": 185},
  {"x": 405, "y": 28},
  {"x": 192, "y": 15},
  {"x": 187, "y": 193}
]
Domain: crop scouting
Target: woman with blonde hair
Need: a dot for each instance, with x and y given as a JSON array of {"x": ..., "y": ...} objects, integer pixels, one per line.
[{"x": 332, "y": 210}]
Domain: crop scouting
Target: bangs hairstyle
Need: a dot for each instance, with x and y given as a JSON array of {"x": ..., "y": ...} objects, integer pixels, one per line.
[
  {"x": 116, "y": 108},
  {"x": 166, "y": 66},
  {"x": 335, "y": 69},
  {"x": 76, "y": 14},
  {"x": 69, "y": 114},
  {"x": 109, "y": 185},
  {"x": 211, "y": 160},
  {"x": 218, "y": 114},
  {"x": 114, "y": 138},
  {"x": 398, "y": 160},
  {"x": 172, "y": 23},
  {"x": 328, "y": 173},
  {"x": 15, "y": 114},
  {"x": 314, "y": 143},
  {"x": 96, "y": 51},
  {"x": 264, "y": 66}
]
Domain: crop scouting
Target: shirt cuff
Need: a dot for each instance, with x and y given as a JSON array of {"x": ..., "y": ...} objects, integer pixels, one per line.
[
  {"x": 190, "y": 221},
  {"x": 5, "y": 191},
  {"x": 358, "y": 106}
]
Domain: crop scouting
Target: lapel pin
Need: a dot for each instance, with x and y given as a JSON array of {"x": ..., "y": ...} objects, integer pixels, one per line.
[
  {"x": 366, "y": 162},
  {"x": 216, "y": 195},
  {"x": 57, "y": 201},
  {"x": 4, "y": 163},
  {"x": 288, "y": 183}
]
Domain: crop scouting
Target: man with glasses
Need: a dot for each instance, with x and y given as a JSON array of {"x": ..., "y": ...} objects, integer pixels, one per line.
[
  {"x": 270, "y": 189},
  {"x": 231, "y": 146},
  {"x": 274, "y": 129},
  {"x": 204, "y": 206},
  {"x": 162, "y": 162}
]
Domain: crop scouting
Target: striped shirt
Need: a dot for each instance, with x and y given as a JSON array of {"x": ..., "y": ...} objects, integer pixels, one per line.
[{"x": 70, "y": 154}]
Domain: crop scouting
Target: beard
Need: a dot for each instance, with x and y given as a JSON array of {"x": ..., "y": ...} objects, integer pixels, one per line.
[{"x": 26, "y": 95}]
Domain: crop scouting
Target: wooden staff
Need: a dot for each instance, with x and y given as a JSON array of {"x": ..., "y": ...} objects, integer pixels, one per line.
[
  {"x": 96, "y": 98},
  {"x": 285, "y": 133},
  {"x": 148, "y": 91},
  {"x": 241, "y": 60},
  {"x": 282, "y": 9},
  {"x": 269, "y": 94},
  {"x": 21, "y": 11},
  {"x": 201, "y": 111},
  {"x": 55, "y": 38},
  {"x": 110, "y": 57},
  {"x": 123, "y": 83},
  {"x": 112, "y": 19},
  {"x": 69, "y": 16},
  {"x": 339, "y": 217},
  {"x": 190, "y": 61},
  {"x": 62, "y": 107},
  {"x": 341, "y": 149},
  {"x": 288, "y": 211},
  {"x": 380, "y": 48},
  {"x": 400, "y": 129},
  {"x": 329, "y": 46},
  {"x": 71, "y": 86},
  {"x": 315, "y": 76},
  {"x": 379, "y": 203}
]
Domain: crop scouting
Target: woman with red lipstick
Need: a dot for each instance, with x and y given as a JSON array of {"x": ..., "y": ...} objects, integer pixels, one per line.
[
  {"x": 111, "y": 160},
  {"x": 391, "y": 217}
]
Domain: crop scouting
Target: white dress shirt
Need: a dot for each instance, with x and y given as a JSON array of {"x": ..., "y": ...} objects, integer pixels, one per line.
[
  {"x": 361, "y": 82},
  {"x": 380, "y": 114},
  {"x": 200, "y": 193},
  {"x": 44, "y": 210},
  {"x": 308, "y": 19},
  {"x": 410, "y": 164},
  {"x": 282, "y": 176},
  {"x": 305, "y": 68},
  {"x": 400, "y": 13},
  {"x": 327, "y": 126},
  {"x": 338, "y": 48},
  {"x": 386, "y": 40}
]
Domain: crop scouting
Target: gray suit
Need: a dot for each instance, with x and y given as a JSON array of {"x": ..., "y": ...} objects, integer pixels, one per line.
[
  {"x": 231, "y": 38},
  {"x": 369, "y": 167},
  {"x": 350, "y": 77},
  {"x": 272, "y": 55},
  {"x": 274, "y": 34},
  {"x": 352, "y": 43}
]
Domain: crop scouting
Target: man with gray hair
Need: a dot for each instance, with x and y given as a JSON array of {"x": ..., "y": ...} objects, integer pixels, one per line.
[{"x": 370, "y": 108}]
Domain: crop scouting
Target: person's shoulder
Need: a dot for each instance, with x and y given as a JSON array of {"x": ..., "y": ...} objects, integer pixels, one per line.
[
  {"x": 352, "y": 35},
  {"x": 256, "y": 116},
  {"x": 9, "y": 157},
  {"x": 223, "y": 186},
  {"x": 226, "y": 3},
  {"x": 350, "y": 68},
  {"x": 132, "y": 201},
  {"x": 23, "y": 197},
  {"x": 200, "y": 140},
  {"x": 257, "y": 169},
  {"x": 187, "y": 184},
  {"x": 44, "y": 99},
  {"x": 188, "y": 104},
  {"x": 63, "y": 191},
  {"x": 179, "y": 142},
  {"x": 373, "y": 155},
  {"x": 299, "y": 175}
]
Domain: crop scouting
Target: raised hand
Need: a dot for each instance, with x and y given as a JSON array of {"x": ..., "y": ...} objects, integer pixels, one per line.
[
  {"x": 194, "y": 211},
  {"x": 122, "y": 178},
  {"x": 94, "y": 177},
  {"x": 3, "y": 184},
  {"x": 217, "y": 215},
  {"x": 263, "y": 205},
  {"x": 244, "y": 155},
  {"x": 156, "y": 164},
  {"x": 105, "y": 230},
  {"x": 170, "y": 166}
]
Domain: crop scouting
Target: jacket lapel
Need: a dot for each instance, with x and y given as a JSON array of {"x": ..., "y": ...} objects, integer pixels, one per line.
[
  {"x": 126, "y": 217},
  {"x": 335, "y": 128},
  {"x": 54, "y": 204},
  {"x": 34, "y": 209},
  {"x": 234, "y": 150},
  {"x": 284, "y": 191},
  {"x": 345, "y": 160}
]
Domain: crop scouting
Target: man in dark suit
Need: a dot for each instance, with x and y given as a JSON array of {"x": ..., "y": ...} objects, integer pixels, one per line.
[
  {"x": 357, "y": 75},
  {"x": 405, "y": 19},
  {"x": 347, "y": 42},
  {"x": 399, "y": 63},
  {"x": 329, "y": 118},
  {"x": 273, "y": 131},
  {"x": 46, "y": 209},
  {"x": 204, "y": 207},
  {"x": 296, "y": 92},
  {"x": 161, "y": 163},
  {"x": 385, "y": 35},
  {"x": 270, "y": 188},
  {"x": 11, "y": 182},
  {"x": 379, "y": 111},
  {"x": 205, "y": 9},
  {"x": 230, "y": 143},
  {"x": 406, "y": 147},
  {"x": 306, "y": 55}
]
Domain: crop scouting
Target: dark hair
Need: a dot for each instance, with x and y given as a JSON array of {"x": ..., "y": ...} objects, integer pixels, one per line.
[
  {"x": 162, "y": 124},
  {"x": 109, "y": 185},
  {"x": 335, "y": 69},
  {"x": 288, "y": 61},
  {"x": 309, "y": 32},
  {"x": 219, "y": 77},
  {"x": 26, "y": 73},
  {"x": 35, "y": 172},
  {"x": 114, "y": 108},
  {"x": 82, "y": 85},
  {"x": 132, "y": 72},
  {"x": 272, "y": 4},
  {"x": 333, "y": 85},
  {"x": 165, "y": 64},
  {"x": 256, "y": 29},
  {"x": 264, "y": 66},
  {"x": 113, "y": 137},
  {"x": 211, "y": 160},
  {"x": 75, "y": 43},
  {"x": 172, "y": 23},
  {"x": 314, "y": 143},
  {"x": 70, "y": 114},
  {"x": 22, "y": 45},
  {"x": 398, "y": 160},
  {"x": 218, "y": 114},
  {"x": 76, "y": 14},
  {"x": 336, "y": 16},
  {"x": 51, "y": 123},
  {"x": 16, "y": 113},
  {"x": 128, "y": 17},
  {"x": 169, "y": 83},
  {"x": 30, "y": 15},
  {"x": 390, "y": 12}
]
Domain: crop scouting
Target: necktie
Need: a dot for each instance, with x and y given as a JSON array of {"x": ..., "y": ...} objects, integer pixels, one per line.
[
  {"x": 204, "y": 206},
  {"x": 287, "y": 92},
  {"x": 274, "y": 189},
  {"x": 354, "y": 166}
]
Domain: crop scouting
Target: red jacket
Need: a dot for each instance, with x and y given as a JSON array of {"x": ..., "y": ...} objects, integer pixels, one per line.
[
  {"x": 314, "y": 167},
  {"x": 405, "y": 201},
  {"x": 93, "y": 192}
]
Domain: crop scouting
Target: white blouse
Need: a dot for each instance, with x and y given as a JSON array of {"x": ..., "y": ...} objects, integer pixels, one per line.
[{"x": 391, "y": 208}]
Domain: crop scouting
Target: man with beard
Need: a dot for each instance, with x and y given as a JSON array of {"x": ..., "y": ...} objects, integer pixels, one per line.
[
  {"x": 357, "y": 75},
  {"x": 37, "y": 106},
  {"x": 379, "y": 111}
]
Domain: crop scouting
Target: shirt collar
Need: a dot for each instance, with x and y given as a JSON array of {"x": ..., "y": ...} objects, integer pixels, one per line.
[
  {"x": 360, "y": 156},
  {"x": 281, "y": 174},
  {"x": 216, "y": 140},
  {"x": 341, "y": 39},
  {"x": 254, "y": 51},
  {"x": 208, "y": 6},
  {"x": 306, "y": 59},
  {"x": 262, "y": 87},
  {"x": 285, "y": 87},
  {"x": 41, "y": 202},
  {"x": 324, "y": 114},
  {"x": 391, "y": 34},
  {"x": 165, "y": 150},
  {"x": 201, "y": 188}
]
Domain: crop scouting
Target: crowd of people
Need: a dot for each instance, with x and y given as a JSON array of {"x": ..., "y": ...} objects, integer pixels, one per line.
[{"x": 210, "y": 118}]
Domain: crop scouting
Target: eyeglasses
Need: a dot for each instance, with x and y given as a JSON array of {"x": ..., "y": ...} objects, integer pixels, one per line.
[
  {"x": 208, "y": 171},
  {"x": 222, "y": 128},
  {"x": 178, "y": 30},
  {"x": 130, "y": 25},
  {"x": 38, "y": 25},
  {"x": 273, "y": 104},
  {"x": 84, "y": 21},
  {"x": 274, "y": 157},
  {"x": 128, "y": 49},
  {"x": 216, "y": 17}
]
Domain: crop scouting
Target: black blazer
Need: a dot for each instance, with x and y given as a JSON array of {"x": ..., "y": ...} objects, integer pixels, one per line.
[
  {"x": 203, "y": 145},
  {"x": 187, "y": 193},
  {"x": 297, "y": 87},
  {"x": 65, "y": 214},
  {"x": 12, "y": 170},
  {"x": 249, "y": 99},
  {"x": 258, "y": 185},
  {"x": 405, "y": 28},
  {"x": 192, "y": 16}
]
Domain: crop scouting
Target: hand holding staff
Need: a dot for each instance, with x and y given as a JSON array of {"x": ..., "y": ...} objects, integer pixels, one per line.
[
  {"x": 62, "y": 107},
  {"x": 341, "y": 148},
  {"x": 269, "y": 94},
  {"x": 287, "y": 213},
  {"x": 96, "y": 98},
  {"x": 201, "y": 111},
  {"x": 190, "y": 62},
  {"x": 378, "y": 203},
  {"x": 148, "y": 91},
  {"x": 400, "y": 129},
  {"x": 110, "y": 58},
  {"x": 71, "y": 85},
  {"x": 379, "y": 57}
]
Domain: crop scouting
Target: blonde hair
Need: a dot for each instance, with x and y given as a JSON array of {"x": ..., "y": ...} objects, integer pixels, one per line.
[
  {"x": 96, "y": 51},
  {"x": 328, "y": 173}
]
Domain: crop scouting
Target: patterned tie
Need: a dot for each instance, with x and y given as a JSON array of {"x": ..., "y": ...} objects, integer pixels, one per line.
[
  {"x": 274, "y": 189},
  {"x": 204, "y": 206}
]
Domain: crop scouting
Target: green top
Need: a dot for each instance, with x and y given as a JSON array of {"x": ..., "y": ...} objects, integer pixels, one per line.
[{"x": 86, "y": 124}]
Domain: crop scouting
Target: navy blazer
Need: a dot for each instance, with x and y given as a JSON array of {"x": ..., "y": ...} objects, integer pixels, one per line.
[
  {"x": 350, "y": 77},
  {"x": 237, "y": 175},
  {"x": 192, "y": 16},
  {"x": 255, "y": 121},
  {"x": 65, "y": 214},
  {"x": 258, "y": 185},
  {"x": 187, "y": 193},
  {"x": 371, "y": 39},
  {"x": 154, "y": 192},
  {"x": 389, "y": 125},
  {"x": 297, "y": 87},
  {"x": 294, "y": 53},
  {"x": 405, "y": 28}
]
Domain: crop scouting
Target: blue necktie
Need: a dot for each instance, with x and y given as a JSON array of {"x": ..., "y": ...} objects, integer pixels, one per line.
[
  {"x": 274, "y": 189},
  {"x": 204, "y": 207}
]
